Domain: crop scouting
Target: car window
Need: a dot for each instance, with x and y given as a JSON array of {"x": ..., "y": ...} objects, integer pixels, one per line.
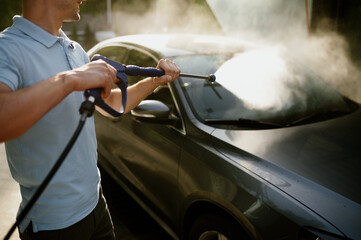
[
  {"x": 162, "y": 93},
  {"x": 141, "y": 59},
  {"x": 115, "y": 53}
]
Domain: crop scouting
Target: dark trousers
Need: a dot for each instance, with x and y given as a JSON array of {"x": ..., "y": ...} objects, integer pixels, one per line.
[{"x": 96, "y": 226}]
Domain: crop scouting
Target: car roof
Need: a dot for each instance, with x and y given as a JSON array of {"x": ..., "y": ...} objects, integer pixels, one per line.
[{"x": 170, "y": 45}]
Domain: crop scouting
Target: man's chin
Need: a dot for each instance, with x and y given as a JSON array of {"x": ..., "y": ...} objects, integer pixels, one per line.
[{"x": 74, "y": 18}]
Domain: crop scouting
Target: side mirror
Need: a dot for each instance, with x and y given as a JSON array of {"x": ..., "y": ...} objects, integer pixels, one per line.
[{"x": 153, "y": 111}]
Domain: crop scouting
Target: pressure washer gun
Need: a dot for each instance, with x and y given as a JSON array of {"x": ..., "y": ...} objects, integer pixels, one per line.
[{"x": 122, "y": 72}]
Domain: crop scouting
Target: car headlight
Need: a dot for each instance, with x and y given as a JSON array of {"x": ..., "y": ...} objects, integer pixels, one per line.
[{"x": 310, "y": 233}]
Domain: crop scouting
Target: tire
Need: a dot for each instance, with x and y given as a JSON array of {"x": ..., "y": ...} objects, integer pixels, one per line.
[{"x": 216, "y": 227}]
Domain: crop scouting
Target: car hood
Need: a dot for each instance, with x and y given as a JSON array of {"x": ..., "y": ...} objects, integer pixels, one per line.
[{"x": 321, "y": 162}]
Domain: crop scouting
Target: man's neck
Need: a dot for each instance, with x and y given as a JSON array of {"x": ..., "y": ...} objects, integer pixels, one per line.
[{"x": 43, "y": 17}]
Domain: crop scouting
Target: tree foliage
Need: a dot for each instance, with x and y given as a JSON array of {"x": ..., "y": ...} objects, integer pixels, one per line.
[
  {"x": 95, "y": 7},
  {"x": 9, "y": 8}
]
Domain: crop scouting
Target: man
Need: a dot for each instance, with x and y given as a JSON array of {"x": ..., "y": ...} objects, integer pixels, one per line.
[{"x": 42, "y": 78}]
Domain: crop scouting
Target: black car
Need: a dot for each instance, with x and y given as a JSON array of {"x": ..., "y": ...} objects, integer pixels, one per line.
[{"x": 268, "y": 151}]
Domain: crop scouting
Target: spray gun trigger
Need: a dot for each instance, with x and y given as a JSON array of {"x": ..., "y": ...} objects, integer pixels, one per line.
[{"x": 122, "y": 84}]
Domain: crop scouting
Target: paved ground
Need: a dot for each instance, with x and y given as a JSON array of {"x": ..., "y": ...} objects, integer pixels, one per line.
[
  {"x": 130, "y": 221},
  {"x": 9, "y": 197}
]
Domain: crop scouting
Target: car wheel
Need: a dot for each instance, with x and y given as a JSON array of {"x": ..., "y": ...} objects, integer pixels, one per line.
[{"x": 215, "y": 226}]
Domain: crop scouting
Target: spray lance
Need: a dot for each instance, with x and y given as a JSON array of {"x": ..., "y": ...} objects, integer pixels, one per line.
[{"x": 93, "y": 97}]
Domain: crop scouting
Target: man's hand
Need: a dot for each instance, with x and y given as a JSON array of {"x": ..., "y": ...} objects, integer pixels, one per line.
[
  {"x": 97, "y": 74},
  {"x": 171, "y": 71}
]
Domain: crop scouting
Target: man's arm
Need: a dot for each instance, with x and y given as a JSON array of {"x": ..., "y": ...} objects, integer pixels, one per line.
[
  {"x": 139, "y": 91},
  {"x": 21, "y": 109}
]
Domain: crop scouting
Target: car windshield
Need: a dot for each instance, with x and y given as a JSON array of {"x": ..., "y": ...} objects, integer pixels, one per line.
[{"x": 258, "y": 86}]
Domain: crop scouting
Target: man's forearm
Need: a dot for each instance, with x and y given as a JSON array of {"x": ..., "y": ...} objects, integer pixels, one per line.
[
  {"x": 35, "y": 101},
  {"x": 22, "y": 109},
  {"x": 135, "y": 94}
]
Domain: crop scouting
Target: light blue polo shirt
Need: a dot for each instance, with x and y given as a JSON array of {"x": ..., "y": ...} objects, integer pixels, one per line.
[{"x": 28, "y": 55}]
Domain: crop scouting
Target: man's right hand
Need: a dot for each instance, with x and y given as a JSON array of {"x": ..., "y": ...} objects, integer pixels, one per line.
[{"x": 97, "y": 74}]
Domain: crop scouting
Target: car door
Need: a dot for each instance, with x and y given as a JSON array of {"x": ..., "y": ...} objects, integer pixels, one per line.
[{"x": 145, "y": 154}]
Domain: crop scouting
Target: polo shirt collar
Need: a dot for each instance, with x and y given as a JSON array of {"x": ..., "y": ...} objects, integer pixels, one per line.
[{"x": 36, "y": 32}]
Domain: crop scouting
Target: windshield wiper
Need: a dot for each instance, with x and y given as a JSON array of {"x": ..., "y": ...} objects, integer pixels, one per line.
[{"x": 243, "y": 123}]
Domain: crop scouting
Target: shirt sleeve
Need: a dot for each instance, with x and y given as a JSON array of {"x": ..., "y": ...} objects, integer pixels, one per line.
[{"x": 9, "y": 69}]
